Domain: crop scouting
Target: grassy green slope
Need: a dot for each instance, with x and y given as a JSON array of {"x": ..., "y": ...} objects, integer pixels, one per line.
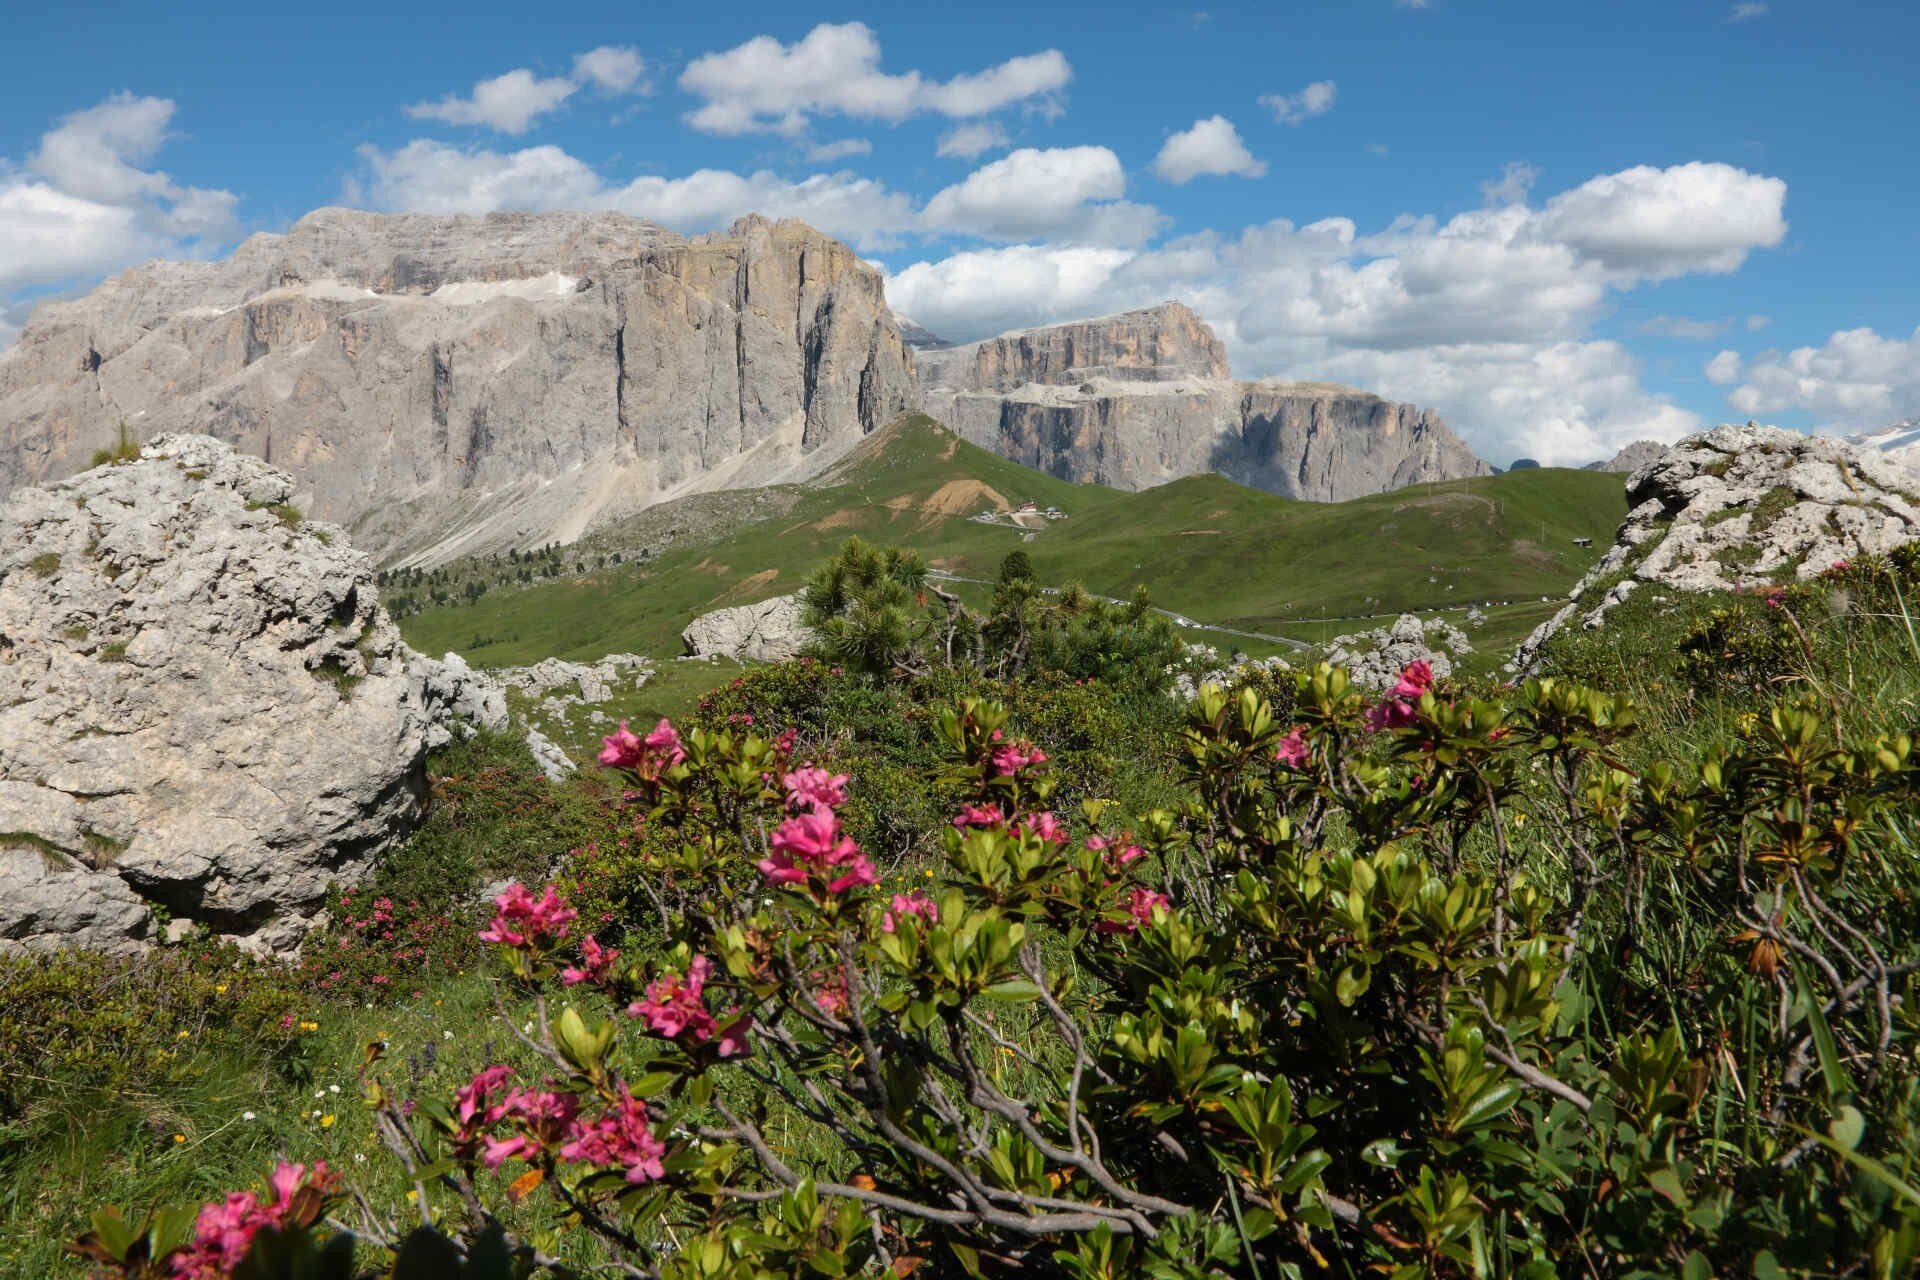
[{"x": 1202, "y": 546}]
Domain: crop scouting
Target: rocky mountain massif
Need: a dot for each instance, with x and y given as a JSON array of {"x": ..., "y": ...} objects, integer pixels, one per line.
[
  {"x": 1738, "y": 506},
  {"x": 1138, "y": 399},
  {"x": 443, "y": 385},
  {"x": 451, "y": 385}
]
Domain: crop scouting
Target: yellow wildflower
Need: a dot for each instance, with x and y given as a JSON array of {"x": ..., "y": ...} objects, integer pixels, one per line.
[
  {"x": 179, "y": 1137},
  {"x": 326, "y": 1122}
]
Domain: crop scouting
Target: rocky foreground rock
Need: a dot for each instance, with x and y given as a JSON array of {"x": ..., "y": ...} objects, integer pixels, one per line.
[
  {"x": 768, "y": 631},
  {"x": 1374, "y": 659},
  {"x": 1739, "y": 506},
  {"x": 1138, "y": 399},
  {"x": 202, "y": 705},
  {"x": 451, "y": 385}
]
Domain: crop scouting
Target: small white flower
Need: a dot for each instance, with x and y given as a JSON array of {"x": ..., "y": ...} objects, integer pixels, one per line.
[
  {"x": 333, "y": 1088},
  {"x": 314, "y": 1114},
  {"x": 319, "y": 1093},
  {"x": 359, "y": 1157},
  {"x": 246, "y": 1115},
  {"x": 446, "y": 1035}
]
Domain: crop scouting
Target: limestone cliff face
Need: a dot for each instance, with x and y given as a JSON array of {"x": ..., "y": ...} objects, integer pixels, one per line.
[
  {"x": 1157, "y": 344},
  {"x": 444, "y": 385},
  {"x": 1138, "y": 399}
]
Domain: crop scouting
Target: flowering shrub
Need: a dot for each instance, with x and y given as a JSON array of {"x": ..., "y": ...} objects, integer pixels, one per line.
[{"x": 1424, "y": 985}]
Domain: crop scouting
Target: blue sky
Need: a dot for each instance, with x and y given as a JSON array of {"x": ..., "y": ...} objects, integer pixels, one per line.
[{"x": 1566, "y": 226}]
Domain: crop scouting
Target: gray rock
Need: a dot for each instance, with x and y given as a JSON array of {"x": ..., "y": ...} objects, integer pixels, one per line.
[
  {"x": 452, "y": 385},
  {"x": 768, "y": 631},
  {"x": 1139, "y": 399},
  {"x": 1374, "y": 659},
  {"x": 1631, "y": 457},
  {"x": 457, "y": 699},
  {"x": 1739, "y": 506},
  {"x": 202, "y": 704},
  {"x": 556, "y": 764}
]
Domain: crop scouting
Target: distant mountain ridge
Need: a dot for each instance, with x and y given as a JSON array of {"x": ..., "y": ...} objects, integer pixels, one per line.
[
  {"x": 1137, "y": 399},
  {"x": 445, "y": 386},
  {"x": 453, "y": 384}
]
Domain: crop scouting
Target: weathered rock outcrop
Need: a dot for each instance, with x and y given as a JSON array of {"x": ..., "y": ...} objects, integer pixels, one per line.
[
  {"x": 1138, "y": 399},
  {"x": 1158, "y": 344},
  {"x": 445, "y": 385},
  {"x": 1374, "y": 659},
  {"x": 768, "y": 631},
  {"x": 1738, "y": 506},
  {"x": 1630, "y": 458},
  {"x": 202, "y": 704},
  {"x": 1898, "y": 444}
]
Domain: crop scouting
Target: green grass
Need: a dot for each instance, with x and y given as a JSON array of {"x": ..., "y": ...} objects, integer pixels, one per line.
[{"x": 1203, "y": 546}]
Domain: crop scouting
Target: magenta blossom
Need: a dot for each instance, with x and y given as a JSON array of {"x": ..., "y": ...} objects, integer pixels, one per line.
[
  {"x": 813, "y": 842},
  {"x": 1044, "y": 826},
  {"x": 621, "y": 750},
  {"x": 619, "y": 1138},
  {"x": 1293, "y": 750},
  {"x": 909, "y": 904},
  {"x": 473, "y": 1100},
  {"x": 224, "y": 1232},
  {"x": 674, "y": 1006},
  {"x": 812, "y": 787},
  {"x": 1142, "y": 902},
  {"x": 519, "y": 917},
  {"x": 978, "y": 815},
  {"x": 1013, "y": 757},
  {"x": 596, "y": 962}
]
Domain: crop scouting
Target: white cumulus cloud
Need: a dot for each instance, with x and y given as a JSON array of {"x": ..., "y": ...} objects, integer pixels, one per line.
[
  {"x": 1485, "y": 315},
  {"x": 1070, "y": 193},
  {"x": 511, "y": 102},
  {"x": 612, "y": 69},
  {"x": 1211, "y": 146},
  {"x": 1293, "y": 108},
  {"x": 1724, "y": 368},
  {"x": 1855, "y": 380},
  {"x": 88, "y": 201},
  {"x": 433, "y": 177},
  {"x": 1665, "y": 222},
  {"x": 765, "y": 85},
  {"x": 845, "y": 148},
  {"x": 972, "y": 140}
]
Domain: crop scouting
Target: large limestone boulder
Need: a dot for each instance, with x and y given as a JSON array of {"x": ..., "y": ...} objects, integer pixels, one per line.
[
  {"x": 202, "y": 704},
  {"x": 1738, "y": 506},
  {"x": 769, "y": 631}
]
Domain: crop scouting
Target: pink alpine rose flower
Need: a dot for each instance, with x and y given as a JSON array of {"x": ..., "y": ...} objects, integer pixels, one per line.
[
  {"x": 978, "y": 815},
  {"x": 1045, "y": 826},
  {"x": 675, "y": 1006},
  {"x": 619, "y": 1138},
  {"x": 520, "y": 918},
  {"x": 1293, "y": 750},
  {"x": 596, "y": 962},
  {"x": 1142, "y": 902},
  {"x": 621, "y": 750},
  {"x": 813, "y": 787},
  {"x": 909, "y": 904}
]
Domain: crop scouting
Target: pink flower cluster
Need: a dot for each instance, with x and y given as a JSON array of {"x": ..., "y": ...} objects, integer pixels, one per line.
[
  {"x": 519, "y": 918},
  {"x": 224, "y": 1232},
  {"x": 619, "y": 1138},
  {"x": 1142, "y": 902},
  {"x": 1293, "y": 750},
  {"x": 978, "y": 815},
  {"x": 1119, "y": 856},
  {"x": 1044, "y": 826},
  {"x": 909, "y": 904},
  {"x": 1398, "y": 708},
  {"x": 545, "y": 1119},
  {"x": 811, "y": 843},
  {"x": 648, "y": 757},
  {"x": 596, "y": 962},
  {"x": 1011, "y": 757},
  {"x": 675, "y": 1008}
]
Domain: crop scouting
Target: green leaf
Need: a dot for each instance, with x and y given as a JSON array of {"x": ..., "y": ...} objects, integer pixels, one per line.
[
  {"x": 1848, "y": 1126},
  {"x": 1017, "y": 989},
  {"x": 1838, "y": 1085}
]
